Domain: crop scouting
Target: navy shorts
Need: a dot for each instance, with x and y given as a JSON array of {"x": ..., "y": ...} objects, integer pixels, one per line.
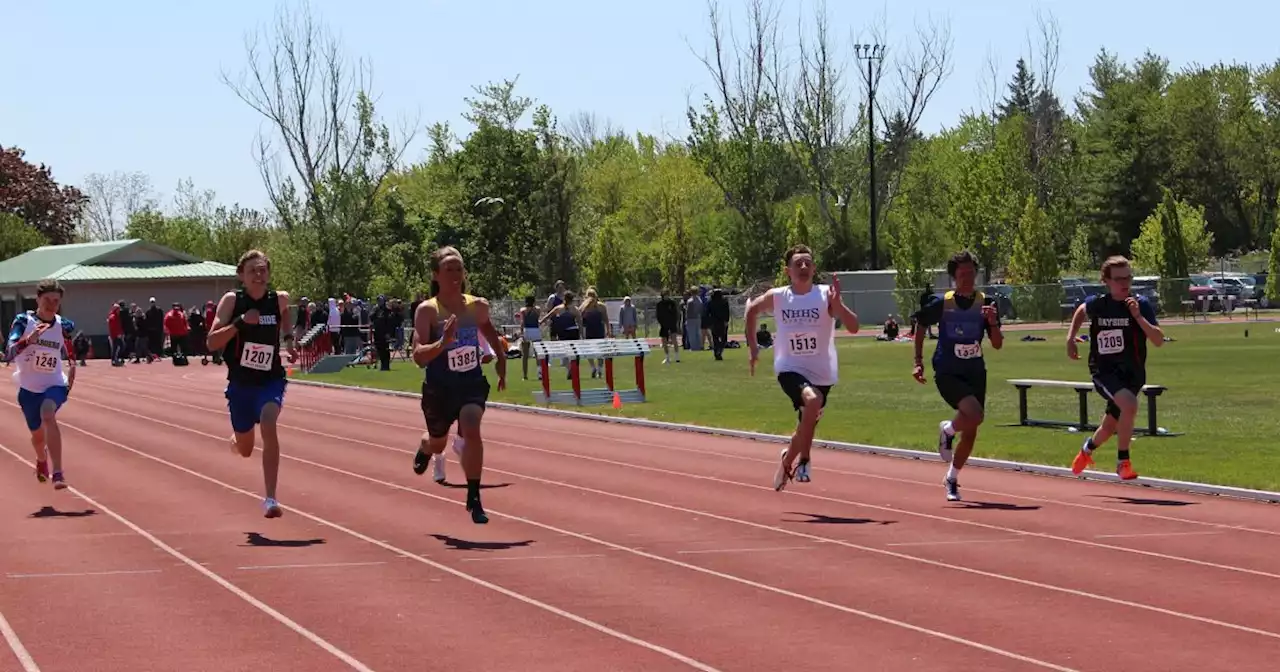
[
  {"x": 794, "y": 383},
  {"x": 955, "y": 387},
  {"x": 1110, "y": 382},
  {"x": 247, "y": 401},
  {"x": 32, "y": 401}
]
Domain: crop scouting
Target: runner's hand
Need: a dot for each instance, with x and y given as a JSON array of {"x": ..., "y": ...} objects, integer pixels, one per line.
[
  {"x": 1072, "y": 351},
  {"x": 250, "y": 316},
  {"x": 989, "y": 312},
  {"x": 1132, "y": 304},
  {"x": 450, "y": 329},
  {"x": 755, "y": 354},
  {"x": 502, "y": 383},
  {"x": 918, "y": 374}
]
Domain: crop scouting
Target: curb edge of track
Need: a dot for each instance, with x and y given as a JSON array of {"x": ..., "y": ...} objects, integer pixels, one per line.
[{"x": 901, "y": 453}]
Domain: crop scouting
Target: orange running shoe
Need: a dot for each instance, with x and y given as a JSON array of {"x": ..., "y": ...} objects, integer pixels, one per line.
[
  {"x": 1083, "y": 461},
  {"x": 1125, "y": 470}
]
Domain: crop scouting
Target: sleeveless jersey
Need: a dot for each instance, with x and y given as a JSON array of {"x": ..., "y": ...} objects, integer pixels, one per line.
[
  {"x": 804, "y": 342},
  {"x": 1115, "y": 339},
  {"x": 530, "y": 320},
  {"x": 960, "y": 333},
  {"x": 40, "y": 365},
  {"x": 593, "y": 323},
  {"x": 253, "y": 355},
  {"x": 461, "y": 359}
]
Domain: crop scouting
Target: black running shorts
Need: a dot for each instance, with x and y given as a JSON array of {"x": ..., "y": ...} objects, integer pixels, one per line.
[
  {"x": 442, "y": 404},
  {"x": 1110, "y": 382},
  {"x": 955, "y": 387},
  {"x": 794, "y": 383}
]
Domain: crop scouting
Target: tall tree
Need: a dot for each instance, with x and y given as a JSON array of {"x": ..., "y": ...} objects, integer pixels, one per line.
[
  {"x": 113, "y": 200},
  {"x": 31, "y": 193}
]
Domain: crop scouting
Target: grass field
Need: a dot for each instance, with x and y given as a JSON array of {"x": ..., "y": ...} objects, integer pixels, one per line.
[{"x": 1224, "y": 400}]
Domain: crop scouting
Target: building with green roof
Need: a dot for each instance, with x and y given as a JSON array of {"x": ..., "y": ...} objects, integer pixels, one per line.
[{"x": 96, "y": 275}]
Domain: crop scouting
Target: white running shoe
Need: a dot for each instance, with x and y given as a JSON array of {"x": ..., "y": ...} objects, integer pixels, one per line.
[
  {"x": 780, "y": 477},
  {"x": 802, "y": 472},
  {"x": 437, "y": 468},
  {"x": 271, "y": 508},
  {"x": 944, "y": 442},
  {"x": 459, "y": 445}
]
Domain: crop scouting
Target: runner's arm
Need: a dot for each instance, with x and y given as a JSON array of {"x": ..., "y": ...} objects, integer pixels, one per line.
[
  {"x": 993, "y": 330},
  {"x": 223, "y": 329},
  {"x": 758, "y": 305},
  {"x": 287, "y": 334},
  {"x": 16, "y": 342},
  {"x": 1147, "y": 320},
  {"x": 491, "y": 335},
  {"x": 930, "y": 313},
  {"x": 423, "y": 353},
  {"x": 1077, "y": 320},
  {"x": 847, "y": 317}
]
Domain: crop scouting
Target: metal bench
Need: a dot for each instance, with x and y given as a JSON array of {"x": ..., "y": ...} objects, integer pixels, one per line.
[
  {"x": 1083, "y": 389},
  {"x": 604, "y": 348}
]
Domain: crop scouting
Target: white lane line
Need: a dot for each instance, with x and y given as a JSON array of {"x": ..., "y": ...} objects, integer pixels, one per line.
[
  {"x": 535, "y": 557},
  {"x": 58, "y": 575},
  {"x": 954, "y": 541},
  {"x": 747, "y": 550},
  {"x": 15, "y": 645},
  {"x": 312, "y": 565},
  {"x": 713, "y": 479},
  {"x": 232, "y": 588},
  {"x": 599, "y": 627},
  {"x": 747, "y": 523},
  {"x": 1155, "y": 534},
  {"x": 618, "y": 547}
]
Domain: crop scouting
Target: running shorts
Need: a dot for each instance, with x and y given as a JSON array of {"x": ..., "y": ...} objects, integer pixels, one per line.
[
  {"x": 442, "y": 404},
  {"x": 245, "y": 402},
  {"x": 794, "y": 383},
  {"x": 30, "y": 402},
  {"x": 954, "y": 387},
  {"x": 1109, "y": 383}
]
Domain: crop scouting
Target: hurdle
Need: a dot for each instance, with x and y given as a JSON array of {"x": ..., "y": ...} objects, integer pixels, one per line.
[{"x": 607, "y": 349}]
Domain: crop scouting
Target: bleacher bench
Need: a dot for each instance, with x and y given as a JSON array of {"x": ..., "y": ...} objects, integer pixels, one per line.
[
  {"x": 1083, "y": 389},
  {"x": 607, "y": 349}
]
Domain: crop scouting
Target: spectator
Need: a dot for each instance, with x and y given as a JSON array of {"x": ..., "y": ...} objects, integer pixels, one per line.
[
  {"x": 764, "y": 339},
  {"x": 718, "y": 314},
  {"x": 383, "y": 322},
  {"x": 627, "y": 318},
  {"x": 196, "y": 333},
  {"x": 693, "y": 311},
  {"x": 155, "y": 329},
  {"x": 141, "y": 339},
  {"x": 130, "y": 332},
  {"x": 668, "y": 316},
  {"x": 82, "y": 346},
  {"x": 176, "y": 327},
  {"x": 349, "y": 327},
  {"x": 116, "y": 334}
]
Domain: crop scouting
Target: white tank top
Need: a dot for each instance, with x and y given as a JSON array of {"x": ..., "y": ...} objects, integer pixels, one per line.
[
  {"x": 805, "y": 339},
  {"x": 40, "y": 365}
]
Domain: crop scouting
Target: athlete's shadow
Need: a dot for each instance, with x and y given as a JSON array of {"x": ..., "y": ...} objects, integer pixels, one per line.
[
  {"x": 255, "y": 539},
  {"x": 50, "y": 512},
  {"x": 464, "y": 545},
  {"x": 1142, "y": 501},
  {"x": 820, "y": 519},
  {"x": 993, "y": 506},
  {"x": 483, "y": 486}
]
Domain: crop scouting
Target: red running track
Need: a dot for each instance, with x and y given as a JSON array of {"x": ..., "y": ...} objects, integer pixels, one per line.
[{"x": 610, "y": 548}]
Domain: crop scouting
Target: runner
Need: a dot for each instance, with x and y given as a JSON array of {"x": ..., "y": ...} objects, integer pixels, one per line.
[
  {"x": 247, "y": 330},
  {"x": 1120, "y": 327},
  {"x": 45, "y": 374},
  {"x": 804, "y": 356},
  {"x": 439, "y": 474},
  {"x": 454, "y": 387},
  {"x": 963, "y": 316}
]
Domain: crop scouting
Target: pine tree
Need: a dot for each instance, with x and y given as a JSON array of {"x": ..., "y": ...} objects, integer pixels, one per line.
[
  {"x": 1173, "y": 270},
  {"x": 1022, "y": 93},
  {"x": 1034, "y": 265},
  {"x": 1273, "y": 268}
]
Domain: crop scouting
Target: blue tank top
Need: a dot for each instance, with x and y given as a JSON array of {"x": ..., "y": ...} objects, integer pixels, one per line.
[
  {"x": 593, "y": 323},
  {"x": 960, "y": 334},
  {"x": 461, "y": 358},
  {"x": 530, "y": 318},
  {"x": 565, "y": 321}
]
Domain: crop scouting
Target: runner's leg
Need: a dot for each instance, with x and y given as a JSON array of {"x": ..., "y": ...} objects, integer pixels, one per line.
[
  {"x": 270, "y": 448},
  {"x": 52, "y": 437},
  {"x": 42, "y": 454},
  {"x": 473, "y": 458}
]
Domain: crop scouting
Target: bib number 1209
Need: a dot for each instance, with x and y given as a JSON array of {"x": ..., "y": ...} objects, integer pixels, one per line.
[
  {"x": 257, "y": 356},
  {"x": 1111, "y": 342}
]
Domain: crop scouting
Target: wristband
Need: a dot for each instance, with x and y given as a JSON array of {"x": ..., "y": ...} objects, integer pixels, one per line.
[{"x": 238, "y": 322}]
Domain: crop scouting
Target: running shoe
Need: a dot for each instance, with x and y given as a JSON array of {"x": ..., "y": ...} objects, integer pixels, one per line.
[
  {"x": 42, "y": 471},
  {"x": 59, "y": 483},
  {"x": 802, "y": 470},
  {"x": 421, "y": 460},
  {"x": 783, "y": 474},
  {"x": 953, "y": 489},
  {"x": 478, "y": 516},
  {"x": 1083, "y": 461},
  {"x": 271, "y": 508},
  {"x": 944, "y": 441},
  {"x": 459, "y": 445},
  {"x": 437, "y": 473},
  {"x": 1125, "y": 470}
]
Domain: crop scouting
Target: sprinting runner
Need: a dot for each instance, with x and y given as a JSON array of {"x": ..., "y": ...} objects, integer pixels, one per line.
[
  {"x": 1120, "y": 327},
  {"x": 804, "y": 356},
  {"x": 247, "y": 329},
  {"x": 39, "y": 343},
  {"x": 438, "y": 474},
  {"x": 963, "y": 316},
  {"x": 454, "y": 387}
]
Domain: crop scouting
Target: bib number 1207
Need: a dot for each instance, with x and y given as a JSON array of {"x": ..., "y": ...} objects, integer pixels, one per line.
[{"x": 257, "y": 356}]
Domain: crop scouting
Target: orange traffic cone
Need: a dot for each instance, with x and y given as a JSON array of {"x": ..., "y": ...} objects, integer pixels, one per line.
[{"x": 617, "y": 401}]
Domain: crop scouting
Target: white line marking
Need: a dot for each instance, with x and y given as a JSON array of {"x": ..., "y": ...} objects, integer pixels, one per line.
[
  {"x": 954, "y": 541},
  {"x": 839, "y": 607},
  {"x": 398, "y": 551},
  {"x": 58, "y": 575},
  {"x": 308, "y": 566},
  {"x": 1155, "y": 534},
  {"x": 24, "y": 657},
  {"x": 869, "y": 549},
  {"x": 747, "y": 550},
  {"x": 310, "y": 636},
  {"x": 535, "y": 557}
]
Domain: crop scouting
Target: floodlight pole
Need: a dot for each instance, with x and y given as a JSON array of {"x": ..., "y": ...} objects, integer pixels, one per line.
[{"x": 873, "y": 54}]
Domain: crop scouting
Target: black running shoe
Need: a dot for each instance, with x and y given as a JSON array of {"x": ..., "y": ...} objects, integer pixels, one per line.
[
  {"x": 421, "y": 461},
  {"x": 478, "y": 516}
]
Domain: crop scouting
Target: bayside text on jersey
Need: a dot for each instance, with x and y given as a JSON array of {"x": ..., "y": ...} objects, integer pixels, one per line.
[
  {"x": 961, "y": 328},
  {"x": 804, "y": 342},
  {"x": 461, "y": 358},
  {"x": 40, "y": 365},
  {"x": 253, "y": 356},
  {"x": 1115, "y": 339}
]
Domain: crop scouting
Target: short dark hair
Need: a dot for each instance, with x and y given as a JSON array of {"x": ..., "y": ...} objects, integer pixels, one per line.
[
  {"x": 797, "y": 249},
  {"x": 1117, "y": 261},
  {"x": 250, "y": 256},
  {"x": 961, "y": 257},
  {"x": 48, "y": 285}
]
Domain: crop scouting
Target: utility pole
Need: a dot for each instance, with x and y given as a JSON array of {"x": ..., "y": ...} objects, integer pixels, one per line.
[{"x": 873, "y": 54}]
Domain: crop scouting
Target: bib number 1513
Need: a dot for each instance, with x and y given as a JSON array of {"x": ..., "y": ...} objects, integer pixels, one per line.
[{"x": 802, "y": 344}]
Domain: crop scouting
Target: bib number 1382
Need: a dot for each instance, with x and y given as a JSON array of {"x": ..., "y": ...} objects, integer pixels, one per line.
[{"x": 463, "y": 359}]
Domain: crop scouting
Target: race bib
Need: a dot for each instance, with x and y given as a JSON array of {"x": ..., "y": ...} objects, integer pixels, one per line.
[
  {"x": 463, "y": 359},
  {"x": 257, "y": 356},
  {"x": 802, "y": 344},
  {"x": 968, "y": 350},
  {"x": 1111, "y": 342},
  {"x": 44, "y": 362}
]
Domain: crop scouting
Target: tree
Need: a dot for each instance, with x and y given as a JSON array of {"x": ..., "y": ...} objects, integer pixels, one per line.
[
  {"x": 31, "y": 193},
  {"x": 337, "y": 150},
  {"x": 1149, "y": 249},
  {"x": 18, "y": 237},
  {"x": 113, "y": 200},
  {"x": 1273, "y": 268},
  {"x": 1033, "y": 265}
]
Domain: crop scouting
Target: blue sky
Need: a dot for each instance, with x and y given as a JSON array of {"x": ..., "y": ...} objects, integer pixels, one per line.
[{"x": 134, "y": 85}]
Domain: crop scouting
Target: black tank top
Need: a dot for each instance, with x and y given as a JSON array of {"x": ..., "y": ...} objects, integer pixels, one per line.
[{"x": 253, "y": 355}]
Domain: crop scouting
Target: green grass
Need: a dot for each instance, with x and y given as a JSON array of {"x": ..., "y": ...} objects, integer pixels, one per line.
[{"x": 1222, "y": 400}]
